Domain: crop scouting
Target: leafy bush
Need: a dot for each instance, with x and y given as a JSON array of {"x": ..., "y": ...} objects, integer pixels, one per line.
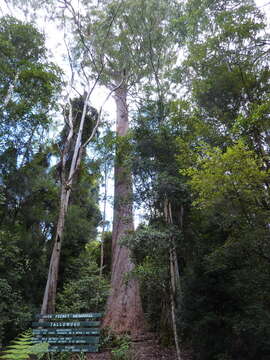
[
  {"x": 87, "y": 292},
  {"x": 118, "y": 344},
  {"x": 14, "y": 314}
]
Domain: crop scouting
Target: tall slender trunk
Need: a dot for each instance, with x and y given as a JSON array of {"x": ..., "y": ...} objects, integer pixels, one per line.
[
  {"x": 67, "y": 177},
  {"x": 124, "y": 309},
  {"x": 104, "y": 222},
  {"x": 175, "y": 286},
  {"x": 173, "y": 306},
  {"x": 49, "y": 298}
]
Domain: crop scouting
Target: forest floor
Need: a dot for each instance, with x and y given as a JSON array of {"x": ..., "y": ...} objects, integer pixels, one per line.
[{"x": 144, "y": 350}]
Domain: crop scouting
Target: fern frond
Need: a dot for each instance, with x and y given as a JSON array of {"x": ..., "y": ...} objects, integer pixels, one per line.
[{"x": 22, "y": 347}]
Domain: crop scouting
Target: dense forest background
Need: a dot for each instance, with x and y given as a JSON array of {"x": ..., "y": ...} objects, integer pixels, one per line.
[{"x": 194, "y": 76}]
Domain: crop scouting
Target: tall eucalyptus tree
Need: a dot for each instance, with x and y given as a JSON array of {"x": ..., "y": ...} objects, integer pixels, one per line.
[{"x": 126, "y": 42}]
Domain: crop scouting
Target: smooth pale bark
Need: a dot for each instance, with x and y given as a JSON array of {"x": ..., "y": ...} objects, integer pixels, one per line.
[
  {"x": 124, "y": 309},
  {"x": 49, "y": 297},
  {"x": 104, "y": 222}
]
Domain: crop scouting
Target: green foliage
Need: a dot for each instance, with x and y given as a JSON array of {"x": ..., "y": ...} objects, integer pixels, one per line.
[
  {"x": 226, "y": 276},
  {"x": 30, "y": 85},
  {"x": 122, "y": 352},
  {"x": 64, "y": 356},
  {"x": 155, "y": 240},
  {"x": 27, "y": 217},
  {"x": 15, "y": 314},
  {"x": 153, "y": 275},
  {"x": 227, "y": 72},
  {"x": 22, "y": 348},
  {"x": 155, "y": 168},
  {"x": 121, "y": 346},
  {"x": 29, "y": 186},
  {"x": 156, "y": 138},
  {"x": 127, "y": 39},
  {"x": 85, "y": 290},
  {"x": 231, "y": 303},
  {"x": 150, "y": 247},
  {"x": 236, "y": 175},
  {"x": 207, "y": 154},
  {"x": 82, "y": 219}
]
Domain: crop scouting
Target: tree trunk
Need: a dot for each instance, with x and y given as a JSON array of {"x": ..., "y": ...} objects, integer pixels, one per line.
[
  {"x": 124, "y": 309},
  {"x": 49, "y": 297},
  {"x": 173, "y": 307},
  {"x": 103, "y": 222},
  {"x": 175, "y": 286}
]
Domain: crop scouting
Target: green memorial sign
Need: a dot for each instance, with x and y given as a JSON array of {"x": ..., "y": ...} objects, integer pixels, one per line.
[
  {"x": 67, "y": 333},
  {"x": 66, "y": 348},
  {"x": 67, "y": 324},
  {"x": 70, "y": 316},
  {"x": 93, "y": 331}
]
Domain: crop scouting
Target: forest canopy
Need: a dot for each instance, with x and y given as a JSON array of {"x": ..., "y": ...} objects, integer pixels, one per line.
[{"x": 189, "y": 151}]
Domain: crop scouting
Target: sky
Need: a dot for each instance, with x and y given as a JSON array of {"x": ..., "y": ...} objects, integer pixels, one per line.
[{"x": 55, "y": 44}]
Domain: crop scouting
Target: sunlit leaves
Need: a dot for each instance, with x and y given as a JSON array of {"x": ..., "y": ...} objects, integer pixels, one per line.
[{"x": 236, "y": 175}]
